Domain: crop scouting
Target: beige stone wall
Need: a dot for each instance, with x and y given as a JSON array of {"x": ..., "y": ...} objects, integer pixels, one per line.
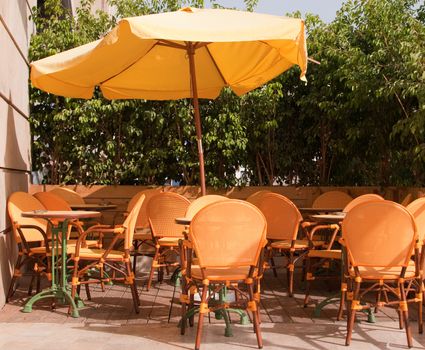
[{"x": 15, "y": 29}]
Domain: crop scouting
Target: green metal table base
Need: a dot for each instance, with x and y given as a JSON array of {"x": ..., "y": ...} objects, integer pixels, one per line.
[
  {"x": 335, "y": 298},
  {"x": 220, "y": 314},
  {"x": 59, "y": 289}
]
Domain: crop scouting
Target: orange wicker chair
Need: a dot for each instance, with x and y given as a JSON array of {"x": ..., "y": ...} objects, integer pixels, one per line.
[
  {"x": 162, "y": 210},
  {"x": 417, "y": 209},
  {"x": 283, "y": 224},
  {"x": 53, "y": 202},
  {"x": 325, "y": 257},
  {"x": 70, "y": 196},
  {"x": 202, "y": 202},
  {"x": 379, "y": 238},
  {"x": 31, "y": 237},
  {"x": 256, "y": 196},
  {"x": 332, "y": 199},
  {"x": 142, "y": 239},
  {"x": 117, "y": 261},
  {"x": 228, "y": 238}
]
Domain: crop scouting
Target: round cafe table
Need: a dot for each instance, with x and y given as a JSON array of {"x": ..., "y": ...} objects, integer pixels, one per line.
[
  {"x": 59, "y": 221},
  {"x": 91, "y": 206}
]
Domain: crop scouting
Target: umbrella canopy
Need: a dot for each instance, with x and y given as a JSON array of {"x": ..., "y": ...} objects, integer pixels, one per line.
[{"x": 190, "y": 53}]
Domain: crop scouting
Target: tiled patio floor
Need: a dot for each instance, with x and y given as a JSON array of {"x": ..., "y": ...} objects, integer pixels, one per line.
[{"x": 108, "y": 321}]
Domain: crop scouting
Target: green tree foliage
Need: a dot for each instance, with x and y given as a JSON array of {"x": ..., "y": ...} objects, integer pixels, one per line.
[{"x": 360, "y": 120}]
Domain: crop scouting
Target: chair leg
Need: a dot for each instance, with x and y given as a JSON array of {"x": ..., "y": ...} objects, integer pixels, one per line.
[
  {"x": 133, "y": 287},
  {"x": 405, "y": 314},
  {"x": 308, "y": 280},
  {"x": 154, "y": 263},
  {"x": 201, "y": 316},
  {"x": 136, "y": 248},
  {"x": 342, "y": 300},
  {"x": 87, "y": 289},
  {"x": 273, "y": 266},
  {"x": 290, "y": 271},
  {"x": 352, "y": 313},
  {"x": 255, "y": 317},
  {"x": 14, "y": 278},
  {"x": 420, "y": 308}
]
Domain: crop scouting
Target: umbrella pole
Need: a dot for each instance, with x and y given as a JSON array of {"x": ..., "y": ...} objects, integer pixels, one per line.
[{"x": 191, "y": 54}]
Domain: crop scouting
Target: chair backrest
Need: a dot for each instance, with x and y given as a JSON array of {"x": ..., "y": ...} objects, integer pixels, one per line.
[
  {"x": 70, "y": 196},
  {"x": 379, "y": 233},
  {"x": 228, "y": 234},
  {"x": 142, "y": 219},
  {"x": 283, "y": 217},
  {"x": 163, "y": 209},
  {"x": 52, "y": 201},
  {"x": 417, "y": 209},
  {"x": 130, "y": 222},
  {"x": 332, "y": 199},
  {"x": 256, "y": 196},
  {"x": 363, "y": 198},
  {"x": 19, "y": 202},
  {"x": 202, "y": 202}
]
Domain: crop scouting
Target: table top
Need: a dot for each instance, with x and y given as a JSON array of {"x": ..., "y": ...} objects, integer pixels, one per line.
[
  {"x": 59, "y": 214},
  {"x": 183, "y": 221},
  {"x": 330, "y": 218},
  {"x": 91, "y": 206},
  {"x": 320, "y": 210}
]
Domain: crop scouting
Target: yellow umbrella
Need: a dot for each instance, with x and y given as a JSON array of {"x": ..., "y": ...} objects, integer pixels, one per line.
[{"x": 190, "y": 53}]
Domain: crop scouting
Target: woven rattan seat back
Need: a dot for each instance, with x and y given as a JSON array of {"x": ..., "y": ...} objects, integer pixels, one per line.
[
  {"x": 332, "y": 199},
  {"x": 380, "y": 234},
  {"x": 130, "y": 222},
  {"x": 228, "y": 234},
  {"x": 19, "y": 202},
  {"x": 255, "y": 197},
  {"x": 417, "y": 209},
  {"x": 283, "y": 217},
  {"x": 142, "y": 219},
  {"x": 361, "y": 199},
  {"x": 52, "y": 201},
  {"x": 202, "y": 202},
  {"x": 68, "y": 195},
  {"x": 162, "y": 210}
]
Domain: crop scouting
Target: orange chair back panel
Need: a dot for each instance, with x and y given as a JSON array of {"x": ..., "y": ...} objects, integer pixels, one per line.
[
  {"x": 361, "y": 199},
  {"x": 19, "y": 202},
  {"x": 379, "y": 233},
  {"x": 51, "y": 201},
  {"x": 417, "y": 209},
  {"x": 70, "y": 196},
  {"x": 228, "y": 234},
  {"x": 283, "y": 217},
  {"x": 202, "y": 202},
  {"x": 256, "y": 197},
  {"x": 142, "y": 219},
  {"x": 162, "y": 210},
  {"x": 332, "y": 199},
  {"x": 131, "y": 220}
]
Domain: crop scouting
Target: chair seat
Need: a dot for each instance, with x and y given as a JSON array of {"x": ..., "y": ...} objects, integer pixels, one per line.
[
  {"x": 221, "y": 274},
  {"x": 142, "y": 234},
  {"x": 299, "y": 244},
  {"x": 169, "y": 241},
  {"x": 91, "y": 243},
  {"x": 383, "y": 273},
  {"x": 92, "y": 253},
  {"x": 325, "y": 254},
  {"x": 42, "y": 250}
]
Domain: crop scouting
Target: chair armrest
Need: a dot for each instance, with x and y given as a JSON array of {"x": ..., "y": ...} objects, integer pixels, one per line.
[{"x": 35, "y": 227}]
